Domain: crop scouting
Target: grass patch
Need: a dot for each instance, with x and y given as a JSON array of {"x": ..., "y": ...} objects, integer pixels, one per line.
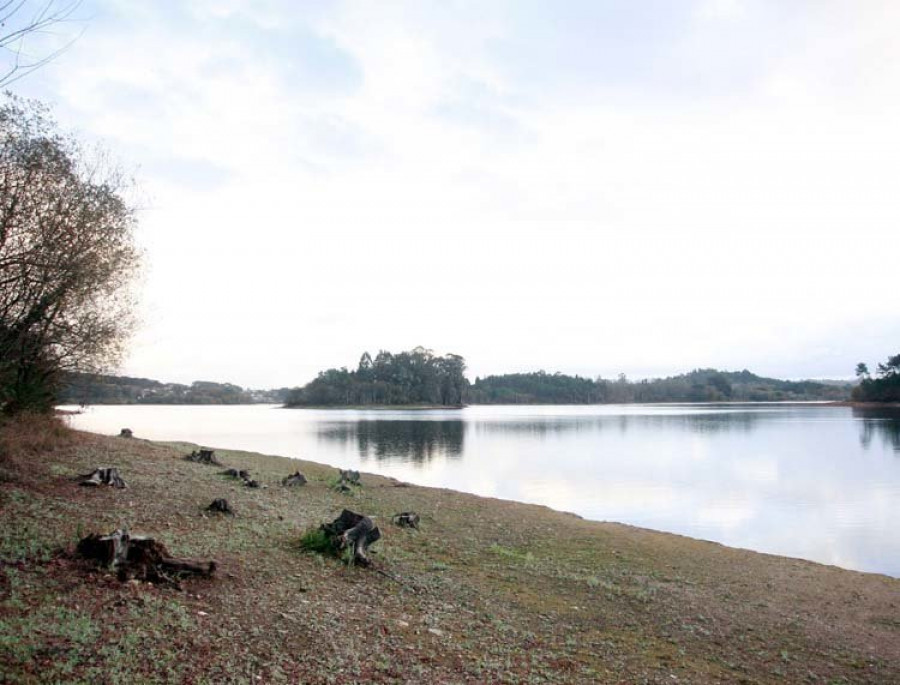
[
  {"x": 511, "y": 553},
  {"x": 316, "y": 540},
  {"x": 25, "y": 441}
]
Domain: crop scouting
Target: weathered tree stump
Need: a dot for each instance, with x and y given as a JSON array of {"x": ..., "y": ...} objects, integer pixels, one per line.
[
  {"x": 355, "y": 532},
  {"x": 349, "y": 476},
  {"x": 295, "y": 478},
  {"x": 406, "y": 519},
  {"x": 143, "y": 558},
  {"x": 220, "y": 506},
  {"x": 347, "y": 480},
  {"x": 243, "y": 475},
  {"x": 204, "y": 456},
  {"x": 126, "y": 433},
  {"x": 104, "y": 476}
]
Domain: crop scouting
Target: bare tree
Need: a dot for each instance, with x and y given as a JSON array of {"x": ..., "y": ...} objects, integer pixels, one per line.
[
  {"x": 67, "y": 258},
  {"x": 22, "y": 21}
]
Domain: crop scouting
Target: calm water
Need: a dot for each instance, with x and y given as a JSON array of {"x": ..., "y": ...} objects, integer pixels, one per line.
[{"x": 822, "y": 483}]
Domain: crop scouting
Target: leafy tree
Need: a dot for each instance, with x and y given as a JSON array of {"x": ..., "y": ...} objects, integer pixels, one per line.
[
  {"x": 67, "y": 257},
  {"x": 885, "y": 387}
]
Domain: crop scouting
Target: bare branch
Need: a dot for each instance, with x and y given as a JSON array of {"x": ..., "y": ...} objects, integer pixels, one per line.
[{"x": 13, "y": 36}]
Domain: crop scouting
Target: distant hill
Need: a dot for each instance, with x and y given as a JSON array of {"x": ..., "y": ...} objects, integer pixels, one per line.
[
  {"x": 700, "y": 385},
  {"x": 419, "y": 377},
  {"x": 80, "y": 388}
]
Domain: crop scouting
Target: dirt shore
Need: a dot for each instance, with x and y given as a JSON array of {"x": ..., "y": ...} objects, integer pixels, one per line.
[{"x": 486, "y": 591}]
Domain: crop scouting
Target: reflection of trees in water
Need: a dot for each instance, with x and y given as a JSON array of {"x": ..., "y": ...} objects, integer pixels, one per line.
[
  {"x": 693, "y": 423},
  {"x": 417, "y": 441},
  {"x": 422, "y": 440},
  {"x": 538, "y": 426},
  {"x": 883, "y": 422}
]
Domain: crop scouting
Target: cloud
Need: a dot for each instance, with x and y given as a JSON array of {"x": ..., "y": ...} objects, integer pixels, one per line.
[{"x": 592, "y": 187}]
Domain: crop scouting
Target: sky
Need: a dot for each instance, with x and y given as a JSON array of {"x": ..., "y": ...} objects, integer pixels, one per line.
[{"x": 592, "y": 187}]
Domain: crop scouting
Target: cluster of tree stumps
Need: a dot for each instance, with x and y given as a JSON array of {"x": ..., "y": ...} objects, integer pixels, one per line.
[
  {"x": 242, "y": 475},
  {"x": 347, "y": 480},
  {"x": 106, "y": 475},
  {"x": 146, "y": 559},
  {"x": 220, "y": 506},
  {"x": 406, "y": 519},
  {"x": 353, "y": 532},
  {"x": 294, "y": 480},
  {"x": 141, "y": 558},
  {"x": 204, "y": 456}
]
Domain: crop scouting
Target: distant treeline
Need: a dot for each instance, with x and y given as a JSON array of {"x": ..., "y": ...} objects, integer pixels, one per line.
[
  {"x": 884, "y": 387},
  {"x": 79, "y": 388},
  {"x": 701, "y": 385},
  {"x": 420, "y": 377},
  {"x": 417, "y": 377}
]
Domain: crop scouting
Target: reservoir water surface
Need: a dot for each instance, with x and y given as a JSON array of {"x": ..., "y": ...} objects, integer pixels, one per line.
[{"x": 802, "y": 480}]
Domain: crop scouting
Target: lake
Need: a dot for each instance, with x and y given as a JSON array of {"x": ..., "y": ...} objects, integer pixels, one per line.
[{"x": 802, "y": 480}]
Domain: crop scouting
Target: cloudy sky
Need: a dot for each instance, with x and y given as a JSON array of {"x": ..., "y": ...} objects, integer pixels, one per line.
[{"x": 587, "y": 186}]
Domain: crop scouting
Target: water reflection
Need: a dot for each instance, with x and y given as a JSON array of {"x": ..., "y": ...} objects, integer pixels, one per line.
[
  {"x": 415, "y": 441},
  {"x": 879, "y": 422},
  {"x": 538, "y": 426},
  {"x": 420, "y": 441}
]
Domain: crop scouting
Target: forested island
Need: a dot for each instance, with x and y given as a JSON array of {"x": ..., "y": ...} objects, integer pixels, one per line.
[
  {"x": 419, "y": 377},
  {"x": 415, "y": 378}
]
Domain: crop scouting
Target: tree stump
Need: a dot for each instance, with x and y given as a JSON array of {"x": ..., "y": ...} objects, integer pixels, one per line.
[
  {"x": 204, "y": 456},
  {"x": 355, "y": 532},
  {"x": 126, "y": 433},
  {"x": 347, "y": 480},
  {"x": 349, "y": 477},
  {"x": 406, "y": 519},
  {"x": 296, "y": 478},
  {"x": 143, "y": 558},
  {"x": 243, "y": 475},
  {"x": 104, "y": 476},
  {"x": 220, "y": 506}
]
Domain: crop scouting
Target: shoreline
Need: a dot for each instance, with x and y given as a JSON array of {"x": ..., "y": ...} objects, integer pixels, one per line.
[
  {"x": 866, "y": 405},
  {"x": 289, "y": 461},
  {"x": 486, "y": 590},
  {"x": 378, "y": 407}
]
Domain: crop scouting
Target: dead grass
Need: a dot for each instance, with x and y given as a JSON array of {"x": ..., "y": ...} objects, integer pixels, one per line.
[
  {"x": 27, "y": 439},
  {"x": 487, "y": 591}
]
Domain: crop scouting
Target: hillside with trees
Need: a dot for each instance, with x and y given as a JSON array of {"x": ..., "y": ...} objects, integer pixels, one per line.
[
  {"x": 536, "y": 388},
  {"x": 78, "y": 388},
  {"x": 417, "y": 377},
  {"x": 883, "y": 387},
  {"x": 700, "y": 385}
]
